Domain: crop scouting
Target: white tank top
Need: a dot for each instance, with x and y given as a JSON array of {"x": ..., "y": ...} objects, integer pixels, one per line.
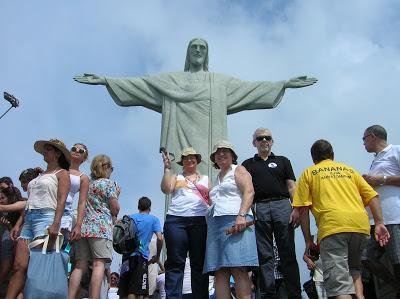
[
  {"x": 75, "y": 186},
  {"x": 225, "y": 195},
  {"x": 42, "y": 191},
  {"x": 186, "y": 200}
]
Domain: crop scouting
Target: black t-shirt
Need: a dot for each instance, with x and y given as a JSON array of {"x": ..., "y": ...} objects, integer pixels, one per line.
[{"x": 270, "y": 176}]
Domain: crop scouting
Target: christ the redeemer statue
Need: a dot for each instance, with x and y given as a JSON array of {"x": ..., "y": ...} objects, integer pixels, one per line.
[{"x": 195, "y": 103}]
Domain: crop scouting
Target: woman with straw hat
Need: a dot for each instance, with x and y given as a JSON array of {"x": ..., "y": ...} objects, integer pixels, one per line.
[
  {"x": 44, "y": 207},
  {"x": 185, "y": 228},
  {"x": 231, "y": 241}
]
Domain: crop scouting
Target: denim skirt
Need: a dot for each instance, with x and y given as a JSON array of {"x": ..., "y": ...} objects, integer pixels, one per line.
[{"x": 228, "y": 251}]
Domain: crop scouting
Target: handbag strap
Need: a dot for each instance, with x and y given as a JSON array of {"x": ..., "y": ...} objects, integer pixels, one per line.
[{"x": 45, "y": 242}]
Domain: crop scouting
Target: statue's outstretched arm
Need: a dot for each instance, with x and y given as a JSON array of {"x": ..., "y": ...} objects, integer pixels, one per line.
[
  {"x": 300, "y": 81},
  {"x": 90, "y": 79}
]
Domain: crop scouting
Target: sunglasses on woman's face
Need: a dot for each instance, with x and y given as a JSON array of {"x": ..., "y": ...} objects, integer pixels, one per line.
[{"x": 78, "y": 150}]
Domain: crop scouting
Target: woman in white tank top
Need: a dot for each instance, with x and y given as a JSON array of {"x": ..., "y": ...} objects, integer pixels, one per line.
[
  {"x": 44, "y": 208},
  {"x": 79, "y": 183},
  {"x": 231, "y": 240},
  {"x": 185, "y": 228}
]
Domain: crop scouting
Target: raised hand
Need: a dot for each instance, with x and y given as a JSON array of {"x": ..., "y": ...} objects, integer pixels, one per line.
[
  {"x": 166, "y": 160},
  {"x": 300, "y": 81},
  {"x": 91, "y": 79}
]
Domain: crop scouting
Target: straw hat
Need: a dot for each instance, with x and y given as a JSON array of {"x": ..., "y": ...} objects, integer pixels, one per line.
[
  {"x": 223, "y": 144},
  {"x": 39, "y": 147},
  {"x": 187, "y": 152}
]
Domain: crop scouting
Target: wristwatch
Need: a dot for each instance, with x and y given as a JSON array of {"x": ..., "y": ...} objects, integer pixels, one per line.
[{"x": 242, "y": 215}]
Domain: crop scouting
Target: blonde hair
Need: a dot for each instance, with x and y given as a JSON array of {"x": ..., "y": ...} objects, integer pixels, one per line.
[{"x": 97, "y": 170}]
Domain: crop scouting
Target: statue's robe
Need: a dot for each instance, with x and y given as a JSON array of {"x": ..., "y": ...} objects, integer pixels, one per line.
[{"x": 194, "y": 106}]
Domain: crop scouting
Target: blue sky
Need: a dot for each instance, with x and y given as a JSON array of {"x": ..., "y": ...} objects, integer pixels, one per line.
[{"x": 352, "y": 48}]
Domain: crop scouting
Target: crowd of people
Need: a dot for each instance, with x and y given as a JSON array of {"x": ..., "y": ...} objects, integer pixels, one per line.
[{"x": 239, "y": 228}]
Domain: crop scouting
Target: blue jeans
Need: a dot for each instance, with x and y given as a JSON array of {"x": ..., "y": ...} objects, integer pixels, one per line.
[{"x": 183, "y": 234}]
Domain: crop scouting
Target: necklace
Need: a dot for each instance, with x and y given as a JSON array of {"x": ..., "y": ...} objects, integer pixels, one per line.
[{"x": 193, "y": 181}]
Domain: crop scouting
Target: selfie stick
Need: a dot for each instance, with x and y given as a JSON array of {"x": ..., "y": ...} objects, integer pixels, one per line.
[{"x": 12, "y": 100}]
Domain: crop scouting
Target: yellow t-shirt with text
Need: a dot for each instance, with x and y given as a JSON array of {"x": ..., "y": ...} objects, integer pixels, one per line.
[{"x": 337, "y": 196}]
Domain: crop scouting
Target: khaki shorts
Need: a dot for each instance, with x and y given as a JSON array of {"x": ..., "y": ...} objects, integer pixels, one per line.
[
  {"x": 341, "y": 258},
  {"x": 87, "y": 249}
]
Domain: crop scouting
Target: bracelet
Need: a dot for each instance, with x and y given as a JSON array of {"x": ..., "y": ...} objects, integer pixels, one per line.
[{"x": 242, "y": 215}]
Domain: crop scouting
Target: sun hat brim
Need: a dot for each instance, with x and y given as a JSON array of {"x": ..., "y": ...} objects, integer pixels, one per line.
[
  {"x": 223, "y": 144},
  {"x": 39, "y": 147}
]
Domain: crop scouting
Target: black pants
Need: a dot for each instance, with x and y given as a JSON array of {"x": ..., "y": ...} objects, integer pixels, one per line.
[
  {"x": 183, "y": 235},
  {"x": 273, "y": 218}
]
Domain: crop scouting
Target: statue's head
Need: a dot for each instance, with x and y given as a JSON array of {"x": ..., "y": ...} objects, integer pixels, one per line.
[{"x": 197, "y": 54}]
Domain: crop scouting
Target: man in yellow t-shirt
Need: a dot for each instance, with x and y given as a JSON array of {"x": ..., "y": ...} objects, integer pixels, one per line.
[{"x": 337, "y": 195}]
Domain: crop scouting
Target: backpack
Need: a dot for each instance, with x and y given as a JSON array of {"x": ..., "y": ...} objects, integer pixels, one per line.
[{"x": 125, "y": 236}]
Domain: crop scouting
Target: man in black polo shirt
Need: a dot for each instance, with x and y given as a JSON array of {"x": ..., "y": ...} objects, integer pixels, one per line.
[{"x": 274, "y": 185}]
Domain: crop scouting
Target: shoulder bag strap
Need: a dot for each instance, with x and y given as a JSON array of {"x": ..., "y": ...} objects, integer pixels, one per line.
[{"x": 45, "y": 242}]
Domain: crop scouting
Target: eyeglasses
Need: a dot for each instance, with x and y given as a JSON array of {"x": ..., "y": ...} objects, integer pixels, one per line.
[
  {"x": 365, "y": 137},
  {"x": 261, "y": 138},
  {"x": 108, "y": 165},
  {"x": 78, "y": 150},
  {"x": 189, "y": 157}
]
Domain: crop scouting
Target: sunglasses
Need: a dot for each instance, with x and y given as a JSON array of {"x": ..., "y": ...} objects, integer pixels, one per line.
[
  {"x": 108, "y": 165},
  {"x": 78, "y": 150},
  {"x": 366, "y": 136},
  {"x": 261, "y": 138}
]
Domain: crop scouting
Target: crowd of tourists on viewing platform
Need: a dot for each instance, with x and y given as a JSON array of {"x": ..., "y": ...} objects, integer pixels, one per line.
[{"x": 233, "y": 237}]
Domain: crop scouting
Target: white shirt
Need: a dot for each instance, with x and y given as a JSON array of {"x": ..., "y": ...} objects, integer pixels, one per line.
[
  {"x": 225, "y": 195},
  {"x": 74, "y": 188},
  {"x": 387, "y": 162},
  {"x": 42, "y": 191},
  {"x": 152, "y": 268},
  {"x": 66, "y": 219},
  {"x": 161, "y": 286},
  {"x": 186, "y": 200},
  {"x": 112, "y": 293}
]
